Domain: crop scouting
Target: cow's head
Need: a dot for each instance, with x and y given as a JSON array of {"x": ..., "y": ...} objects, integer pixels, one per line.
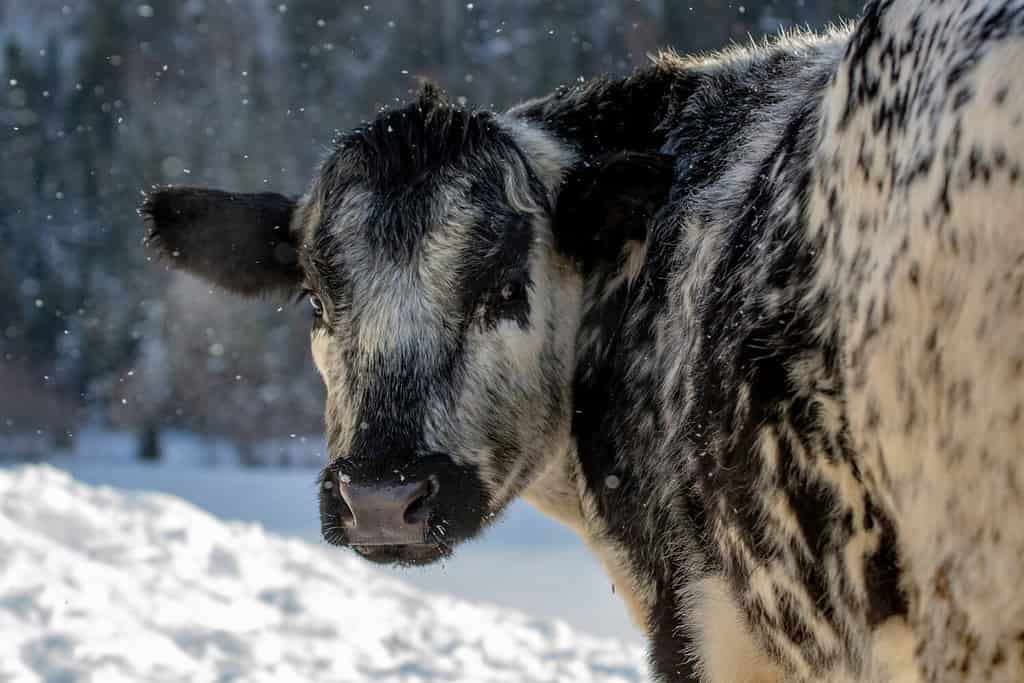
[{"x": 444, "y": 310}]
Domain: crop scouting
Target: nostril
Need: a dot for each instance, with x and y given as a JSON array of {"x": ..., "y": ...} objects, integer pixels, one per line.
[
  {"x": 419, "y": 509},
  {"x": 332, "y": 489},
  {"x": 345, "y": 513}
]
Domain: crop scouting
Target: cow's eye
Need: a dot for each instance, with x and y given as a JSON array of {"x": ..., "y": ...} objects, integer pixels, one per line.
[
  {"x": 510, "y": 301},
  {"x": 318, "y": 305},
  {"x": 513, "y": 291}
]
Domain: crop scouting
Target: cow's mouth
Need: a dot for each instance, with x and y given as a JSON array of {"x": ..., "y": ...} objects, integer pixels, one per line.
[{"x": 409, "y": 555}]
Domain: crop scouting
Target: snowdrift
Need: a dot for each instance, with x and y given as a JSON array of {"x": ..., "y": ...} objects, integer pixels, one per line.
[{"x": 99, "y": 585}]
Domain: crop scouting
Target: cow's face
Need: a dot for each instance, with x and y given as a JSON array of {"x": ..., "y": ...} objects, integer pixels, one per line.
[
  {"x": 444, "y": 315},
  {"x": 443, "y": 318},
  {"x": 443, "y": 326}
]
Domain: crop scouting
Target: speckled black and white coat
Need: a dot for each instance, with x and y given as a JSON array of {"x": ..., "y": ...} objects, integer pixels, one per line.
[
  {"x": 808, "y": 390},
  {"x": 752, "y": 324}
]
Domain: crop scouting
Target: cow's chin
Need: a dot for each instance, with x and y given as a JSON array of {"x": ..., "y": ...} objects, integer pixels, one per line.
[{"x": 413, "y": 555}]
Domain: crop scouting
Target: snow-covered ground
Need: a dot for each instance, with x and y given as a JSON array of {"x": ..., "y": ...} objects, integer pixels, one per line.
[
  {"x": 102, "y": 585},
  {"x": 525, "y": 561}
]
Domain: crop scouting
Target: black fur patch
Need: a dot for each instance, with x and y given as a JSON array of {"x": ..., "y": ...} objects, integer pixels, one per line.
[
  {"x": 605, "y": 114},
  {"x": 608, "y": 202},
  {"x": 667, "y": 647}
]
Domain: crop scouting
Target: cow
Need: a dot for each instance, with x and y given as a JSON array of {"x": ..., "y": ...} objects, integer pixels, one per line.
[{"x": 751, "y": 323}]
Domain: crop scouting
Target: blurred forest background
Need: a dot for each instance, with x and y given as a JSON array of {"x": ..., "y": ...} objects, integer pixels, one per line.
[{"x": 101, "y": 99}]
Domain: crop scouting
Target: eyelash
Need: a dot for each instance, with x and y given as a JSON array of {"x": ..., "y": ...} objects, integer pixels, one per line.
[
  {"x": 315, "y": 302},
  {"x": 512, "y": 291},
  {"x": 510, "y": 301}
]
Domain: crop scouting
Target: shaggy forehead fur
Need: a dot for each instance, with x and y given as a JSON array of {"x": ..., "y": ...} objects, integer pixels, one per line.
[
  {"x": 408, "y": 193},
  {"x": 416, "y": 152}
]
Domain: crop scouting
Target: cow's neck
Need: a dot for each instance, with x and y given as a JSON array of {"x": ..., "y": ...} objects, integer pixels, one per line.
[{"x": 585, "y": 481}]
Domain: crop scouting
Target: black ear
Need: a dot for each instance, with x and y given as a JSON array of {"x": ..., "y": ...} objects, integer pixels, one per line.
[
  {"x": 241, "y": 242},
  {"x": 608, "y": 202}
]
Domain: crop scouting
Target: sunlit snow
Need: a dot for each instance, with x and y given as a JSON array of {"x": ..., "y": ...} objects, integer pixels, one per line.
[{"x": 100, "y": 585}]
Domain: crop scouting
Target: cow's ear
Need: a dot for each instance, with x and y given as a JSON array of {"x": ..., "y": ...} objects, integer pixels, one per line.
[
  {"x": 241, "y": 242},
  {"x": 607, "y": 203}
]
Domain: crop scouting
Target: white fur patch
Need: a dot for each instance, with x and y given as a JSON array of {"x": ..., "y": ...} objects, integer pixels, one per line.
[{"x": 724, "y": 647}]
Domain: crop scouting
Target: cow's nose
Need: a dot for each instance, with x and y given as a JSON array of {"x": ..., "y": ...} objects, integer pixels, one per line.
[{"x": 387, "y": 514}]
